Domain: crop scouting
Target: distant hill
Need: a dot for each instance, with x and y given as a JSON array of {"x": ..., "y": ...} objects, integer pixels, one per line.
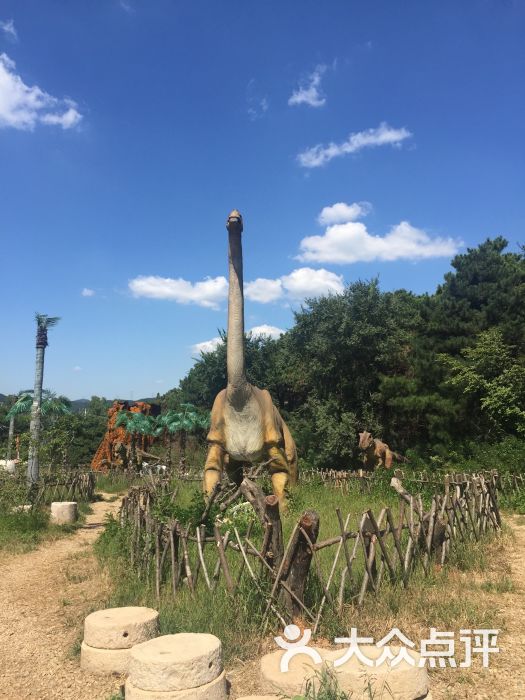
[{"x": 79, "y": 405}]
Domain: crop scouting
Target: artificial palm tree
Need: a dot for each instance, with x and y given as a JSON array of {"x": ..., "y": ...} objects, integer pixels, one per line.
[
  {"x": 43, "y": 324},
  {"x": 52, "y": 405},
  {"x": 182, "y": 423},
  {"x": 135, "y": 424}
]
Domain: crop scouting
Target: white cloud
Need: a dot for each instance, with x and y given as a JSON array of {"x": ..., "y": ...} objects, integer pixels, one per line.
[
  {"x": 126, "y": 6},
  {"x": 67, "y": 120},
  {"x": 340, "y": 213},
  {"x": 309, "y": 92},
  {"x": 306, "y": 283},
  {"x": 263, "y": 290},
  {"x": 9, "y": 29},
  {"x": 257, "y": 104},
  {"x": 208, "y": 293},
  {"x": 384, "y": 135},
  {"x": 266, "y": 331},
  {"x": 299, "y": 284},
  {"x": 23, "y": 107},
  {"x": 86, "y": 292},
  {"x": 207, "y": 345},
  {"x": 77, "y": 368},
  {"x": 350, "y": 242}
]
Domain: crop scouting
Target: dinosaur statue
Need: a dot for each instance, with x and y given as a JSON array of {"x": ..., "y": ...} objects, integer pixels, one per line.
[
  {"x": 245, "y": 425},
  {"x": 376, "y": 453}
]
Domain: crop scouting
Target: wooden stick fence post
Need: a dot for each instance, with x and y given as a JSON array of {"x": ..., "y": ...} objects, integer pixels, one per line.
[{"x": 224, "y": 562}]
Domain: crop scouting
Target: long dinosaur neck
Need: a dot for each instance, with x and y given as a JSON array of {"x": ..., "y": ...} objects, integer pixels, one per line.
[{"x": 237, "y": 384}]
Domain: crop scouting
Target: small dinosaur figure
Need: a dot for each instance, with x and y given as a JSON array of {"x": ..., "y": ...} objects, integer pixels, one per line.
[
  {"x": 376, "y": 453},
  {"x": 245, "y": 425}
]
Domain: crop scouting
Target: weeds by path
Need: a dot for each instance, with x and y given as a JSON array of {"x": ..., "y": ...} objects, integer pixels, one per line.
[{"x": 23, "y": 531}]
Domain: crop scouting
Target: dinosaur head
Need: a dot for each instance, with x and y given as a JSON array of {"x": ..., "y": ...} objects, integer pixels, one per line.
[
  {"x": 234, "y": 222},
  {"x": 365, "y": 440}
]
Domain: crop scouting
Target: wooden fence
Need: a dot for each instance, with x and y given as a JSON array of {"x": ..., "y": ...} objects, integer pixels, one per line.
[
  {"x": 304, "y": 575},
  {"x": 77, "y": 486}
]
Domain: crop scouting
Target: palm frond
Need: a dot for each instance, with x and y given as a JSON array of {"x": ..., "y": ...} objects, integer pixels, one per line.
[
  {"x": 21, "y": 406},
  {"x": 44, "y": 321},
  {"x": 55, "y": 407}
]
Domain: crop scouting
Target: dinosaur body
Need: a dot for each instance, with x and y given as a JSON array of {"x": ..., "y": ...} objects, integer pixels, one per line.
[
  {"x": 376, "y": 453},
  {"x": 245, "y": 425}
]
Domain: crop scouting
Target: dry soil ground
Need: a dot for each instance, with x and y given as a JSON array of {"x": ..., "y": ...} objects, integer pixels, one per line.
[{"x": 45, "y": 594}]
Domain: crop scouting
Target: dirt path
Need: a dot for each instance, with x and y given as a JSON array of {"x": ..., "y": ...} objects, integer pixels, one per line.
[
  {"x": 505, "y": 677},
  {"x": 44, "y": 596}
]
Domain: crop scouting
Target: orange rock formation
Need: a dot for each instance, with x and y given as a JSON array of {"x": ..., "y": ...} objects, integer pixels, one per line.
[{"x": 114, "y": 448}]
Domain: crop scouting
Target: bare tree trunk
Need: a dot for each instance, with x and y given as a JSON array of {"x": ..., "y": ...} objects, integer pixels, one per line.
[
  {"x": 33, "y": 465},
  {"x": 133, "y": 453},
  {"x": 10, "y": 437},
  {"x": 168, "y": 453},
  {"x": 182, "y": 451}
]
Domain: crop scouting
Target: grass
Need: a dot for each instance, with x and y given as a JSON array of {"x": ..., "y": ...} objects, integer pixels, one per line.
[
  {"x": 115, "y": 482},
  {"x": 503, "y": 584},
  {"x": 323, "y": 687},
  {"x": 21, "y": 532},
  {"x": 453, "y": 596}
]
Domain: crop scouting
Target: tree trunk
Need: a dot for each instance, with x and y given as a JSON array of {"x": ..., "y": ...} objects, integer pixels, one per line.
[
  {"x": 133, "y": 453},
  {"x": 168, "y": 455},
  {"x": 10, "y": 437},
  {"x": 182, "y": 451},
  {"x": 33, "y": 466}
]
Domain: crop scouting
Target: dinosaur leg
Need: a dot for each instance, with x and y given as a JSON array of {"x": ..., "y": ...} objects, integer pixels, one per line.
[
  {"x": 235, "y": 471},
  {"x": 213, "y": 467},
  {"x": 388, "y": 459},
  {"x": 280, "y": 473}
]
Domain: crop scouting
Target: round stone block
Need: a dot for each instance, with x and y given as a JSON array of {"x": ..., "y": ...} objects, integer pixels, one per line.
[
  {"x": 104, "y": 662},
  {"x": 176, "y": 662},
  {"x": 64, "y": 512},
  {"x": 403, "y": 681},
  {"x": 216, "y": 690},
  {"x": 120, "y": 628}
]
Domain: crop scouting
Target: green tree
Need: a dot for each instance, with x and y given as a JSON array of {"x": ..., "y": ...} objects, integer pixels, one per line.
[
  {"x": 43, "y": 324},
  {"x": 98, "y": 406},
  {"x": 493, "y": 380},
  {"x": 52, "y": 405}
]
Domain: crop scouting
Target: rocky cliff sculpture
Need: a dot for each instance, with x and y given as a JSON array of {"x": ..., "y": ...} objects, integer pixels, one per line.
[
  {"x": 114, "y": 448},
  {"x": 245, "y": 425}
]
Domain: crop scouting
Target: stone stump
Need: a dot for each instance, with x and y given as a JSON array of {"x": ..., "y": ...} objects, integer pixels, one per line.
[
  {"x": 404, "y": 681},
  {"x": 110, "y": 634},
  {"x": 177, "y": 667},
  {"x": 64, "y": 512}
]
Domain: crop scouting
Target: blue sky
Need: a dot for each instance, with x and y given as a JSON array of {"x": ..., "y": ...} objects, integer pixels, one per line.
[{"x": 357, "y": 138}]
